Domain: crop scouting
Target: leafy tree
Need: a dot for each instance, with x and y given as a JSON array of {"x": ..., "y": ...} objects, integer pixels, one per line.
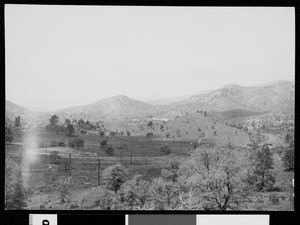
[
  {"x": 60, "y": 129},
  {"x": 109, "y": 150},
  {"x": 259, "y": 138},
  {"x": 87, "y": 125},
  {"x": 76, "y": 143},
  {"x": 103, "y": 144},
  {"x": 15, "y": 192},
  {"x": 289, "y": 158},
  {"x": 149, "y": 135},
  {"x": 101, "y": 133},
  {"x": 128, "y": 133},
  {"x": 65, "y": 184},
  {"x": 67, "y": 121},
  {"x": 150, "y": 124},
  {"x": 105, "y": 199},
  {"x": 287, "y": 137},
  {"x": 171, "y": 167},
  {"x": 261, "y": 175},
  {"x": 164, "y": 194},
  {"x": 289, "y": 140},
  {"x": 70, "y": 130},
  {"x": 165, "y": 150},
  {"x": 83, "y": 131},
  {"x": 81, "y": 123},
  {"x": 112, "y": 133},
  {"x": 18, "y": 122},
  {"x": 195, "y": 145},
  {"x": 215, "y": 176},
  {"x": 8, "y": 135},
  {"x": 133, "y": 193},
  {"x": 54, "y": 120},
  {"x": 53, "y": 126},
  {"x": 114, "y": 176},
  {"x": 168, "y": 135}
]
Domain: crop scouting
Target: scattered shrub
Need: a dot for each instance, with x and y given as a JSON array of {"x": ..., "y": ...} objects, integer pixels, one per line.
[
  {"x": 109, "y": 150},
  {"x": 76, "y": 143},
  {"x": 114, "y": 176},
  {"x": 274, "y": 199},
  {"x": 54, "y": 157},
  {"x": 165, "y": 150},
  {"x": 149, "y": 135}
]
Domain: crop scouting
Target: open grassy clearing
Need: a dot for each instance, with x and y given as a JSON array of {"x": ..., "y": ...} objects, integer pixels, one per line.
[{"x": 133, "y": 145}]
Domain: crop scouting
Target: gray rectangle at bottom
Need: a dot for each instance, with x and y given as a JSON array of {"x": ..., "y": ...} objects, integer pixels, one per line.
[{"x": 162, "y": 220}]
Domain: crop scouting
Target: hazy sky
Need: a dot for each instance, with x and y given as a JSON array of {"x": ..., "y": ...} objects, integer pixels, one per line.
[{"x": 59, "y": 56}]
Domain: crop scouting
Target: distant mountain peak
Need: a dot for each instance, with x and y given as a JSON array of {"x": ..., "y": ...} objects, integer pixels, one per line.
[
  {"x": 231, "y": 86},
  {"x": 277, "y": 82},
  {"x": 120, "y": 97}
]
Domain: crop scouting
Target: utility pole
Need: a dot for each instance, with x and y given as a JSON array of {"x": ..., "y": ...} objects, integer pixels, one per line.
[
  {"x": 130, "y": 158},
  {"x": 99, "y": 172},
  {"x": 70, "y": 163},
  {"x": 181, "y": 138}
]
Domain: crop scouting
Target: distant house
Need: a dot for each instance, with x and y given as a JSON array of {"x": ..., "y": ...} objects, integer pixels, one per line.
[
  {"x": 134, "y": 120},
  {"x": 159, "y": 119}
]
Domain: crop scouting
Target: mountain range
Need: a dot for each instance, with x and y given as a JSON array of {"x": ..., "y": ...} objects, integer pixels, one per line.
[
  {"x": 274, "y": 97},
  {"x": 12, "y": 111}
]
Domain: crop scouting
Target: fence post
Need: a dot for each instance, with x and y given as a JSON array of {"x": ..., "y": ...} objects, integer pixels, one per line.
[
  {"x": 70, "y": 163},
  {"x": 98, "y": 172}
]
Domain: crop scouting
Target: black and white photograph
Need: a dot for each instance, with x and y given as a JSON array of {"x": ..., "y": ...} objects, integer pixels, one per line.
[{"x": 149, "y": 108}]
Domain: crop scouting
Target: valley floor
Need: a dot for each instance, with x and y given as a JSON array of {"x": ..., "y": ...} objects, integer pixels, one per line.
[{"x": 44, "y": 176}]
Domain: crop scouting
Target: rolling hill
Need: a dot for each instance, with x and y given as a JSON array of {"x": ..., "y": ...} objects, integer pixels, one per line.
[
  {"x": 274, "y": 97},
  {"x": 189, "y": 127},
  {"x": 118, "y": 107},
  {"x": 27, "y": 116},
  {"x": 277, "y": 97}
]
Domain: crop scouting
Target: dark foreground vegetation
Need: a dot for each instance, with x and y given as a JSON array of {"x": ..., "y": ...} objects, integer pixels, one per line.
[
  {"x": 218, "y": 178},
  {"x": 197, "y": 177}
]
